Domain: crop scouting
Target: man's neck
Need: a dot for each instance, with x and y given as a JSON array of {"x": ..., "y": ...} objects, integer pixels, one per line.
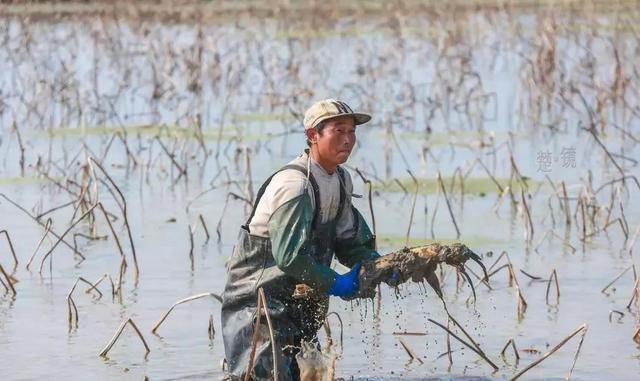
[{"x": 328, "y": 167}]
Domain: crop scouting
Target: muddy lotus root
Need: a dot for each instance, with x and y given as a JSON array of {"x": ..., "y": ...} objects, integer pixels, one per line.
[
  {"x": 416, "y": 264},
  {"x": 409, "y": 264}
]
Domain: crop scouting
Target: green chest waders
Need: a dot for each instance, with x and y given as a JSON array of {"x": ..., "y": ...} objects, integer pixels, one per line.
[{"x": 252, "y": 266}]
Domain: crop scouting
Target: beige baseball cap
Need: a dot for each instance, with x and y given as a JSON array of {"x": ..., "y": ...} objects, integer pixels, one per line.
[{"x": 331, "y": 108}]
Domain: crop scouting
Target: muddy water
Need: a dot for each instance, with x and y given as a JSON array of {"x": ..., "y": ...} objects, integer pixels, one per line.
[{"x": 36, "y": 341}]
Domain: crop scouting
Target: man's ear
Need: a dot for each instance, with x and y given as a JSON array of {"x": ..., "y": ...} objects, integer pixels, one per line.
[{"x": 312, "y": 135}]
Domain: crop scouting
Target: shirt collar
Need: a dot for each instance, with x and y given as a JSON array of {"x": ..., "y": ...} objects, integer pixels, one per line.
[{"x": 316, "y": 165}]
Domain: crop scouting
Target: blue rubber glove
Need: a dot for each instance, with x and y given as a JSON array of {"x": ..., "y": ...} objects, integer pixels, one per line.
[
  {"x": 347, "y": 285},
  {"x": 394, "y": 279}
]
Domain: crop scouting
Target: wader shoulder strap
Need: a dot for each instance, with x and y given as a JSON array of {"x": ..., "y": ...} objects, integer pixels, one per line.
[
  {"x": 343, "y": 191},
  {"x": 263, "y": 188}
]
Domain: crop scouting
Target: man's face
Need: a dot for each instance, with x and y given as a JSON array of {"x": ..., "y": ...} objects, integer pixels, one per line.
[{"x": 336, "y": 141}]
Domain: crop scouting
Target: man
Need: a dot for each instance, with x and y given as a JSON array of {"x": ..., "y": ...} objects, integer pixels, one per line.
[{"x": 302, "y": 216}]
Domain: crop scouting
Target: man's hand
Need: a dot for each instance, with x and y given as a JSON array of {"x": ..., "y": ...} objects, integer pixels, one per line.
[{"x": 347, "y": 285}]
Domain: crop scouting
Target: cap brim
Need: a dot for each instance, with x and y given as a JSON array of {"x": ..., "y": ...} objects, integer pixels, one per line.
[
  {"x": 361, "y": 118},
  {"x": 358, "y": 117}
]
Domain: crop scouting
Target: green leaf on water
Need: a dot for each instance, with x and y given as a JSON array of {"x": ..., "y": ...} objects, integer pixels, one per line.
[
  {"x": 480, "y": 186},
  {"x": 390, "y": 242},
  {"x": 164, "y": 131}
]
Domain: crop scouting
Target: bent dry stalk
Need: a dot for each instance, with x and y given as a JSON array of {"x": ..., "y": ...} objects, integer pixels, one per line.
[
  {"x": 620, "y": 315},
  {"x": 71, "y": 304},
  {"x": 4, "y": 285},
  {"x": 410, "y": 352},
  {"x": 413, "y": 207},
  {"x": 328, "y": 331},
  {"x": 95, "y": 285},
  {"x": 122, "y": 203},
  {"x": 113, "y": 232},
  {"x": 449, "y": 352},
  {"x": 46, "y": 231},
  {"x": 9, "y": 283},
  {"x": 604, "y": 290},
  {"x": 446, "y": 199},
  {"x": 179, "y": 302},
  {"x": 224, "y": 209},
  {"x": 533, "y": 277},
  {"x": 513, "y": 346},
  {"x": 482, "y": 280},
  {"x": 121, "y": 271},
  {"x": 64, "y": 234},
  {"x": 522, "y": 302},
  {"x": 373, "y": 222},
  {"x": 116, "y": 336},
  {"x": 191, "y": 245},
  {"x": 329, "y": 354},
  {"x": 634, "y": 293},
  {"x": 513, "y": 282},
  {"x": 13, "y": 252},
  {"x": 582, "y": 328},
  {"x": 553, "y": 277},
  {"x": 61, "y": 239},
  {"x": 204, "y": 226},
  {"x": 370, "y": 200},
  {"x": 470, "y": 346},
  {"x": 528, "y": 222},
  {"x": 211, "y": 331},
  {"x": 260, "y": 308}
]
